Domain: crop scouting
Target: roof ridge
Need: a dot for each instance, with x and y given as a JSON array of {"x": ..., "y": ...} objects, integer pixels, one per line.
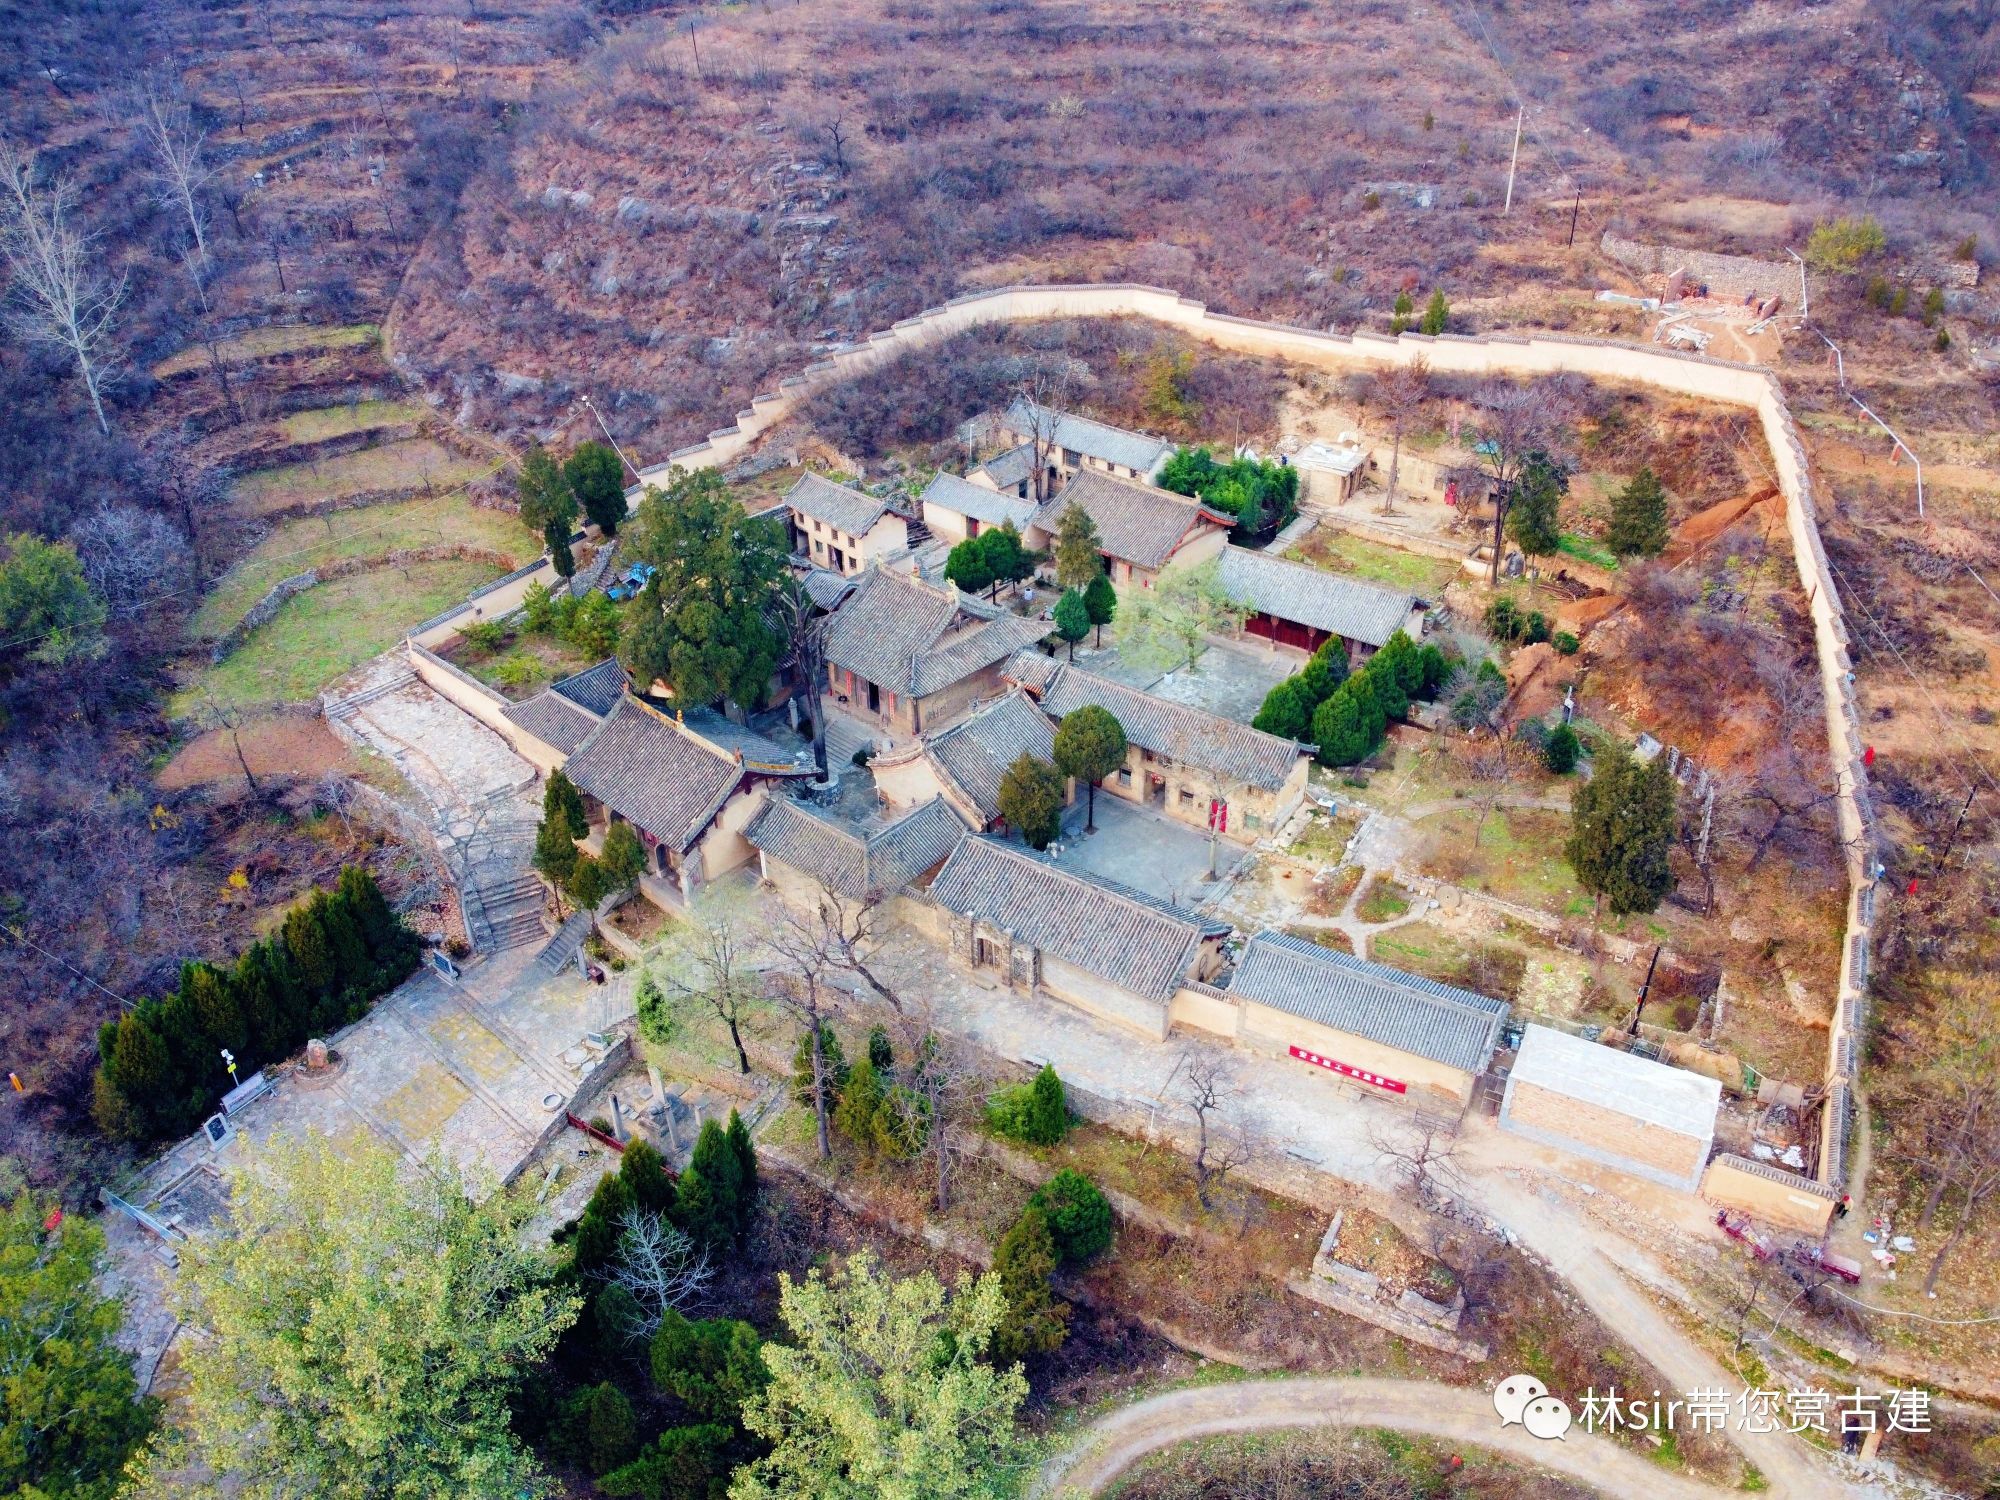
[
  {"x": 1115, "y": 888},
  {"x": 1414, "y": 984},
  {"x": 679, "y": 726}
]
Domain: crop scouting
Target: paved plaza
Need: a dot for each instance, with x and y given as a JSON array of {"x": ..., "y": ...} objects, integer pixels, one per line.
[
  {"x": 1146, "y": 850},
  {"x": 1231, "y": 678}
]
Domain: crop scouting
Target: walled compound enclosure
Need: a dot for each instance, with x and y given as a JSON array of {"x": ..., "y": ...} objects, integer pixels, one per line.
[{"x": 1680, "y": 373}]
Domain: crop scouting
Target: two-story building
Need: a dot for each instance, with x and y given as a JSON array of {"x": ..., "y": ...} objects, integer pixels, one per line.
[
  {"x": 843, "y": 530},
  {"x": 904, "y": 656},
  {"x": 1067, "y": 445}
]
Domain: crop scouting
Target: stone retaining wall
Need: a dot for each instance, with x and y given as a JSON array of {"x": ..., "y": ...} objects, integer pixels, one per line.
[{"x": 261, "y": 613}]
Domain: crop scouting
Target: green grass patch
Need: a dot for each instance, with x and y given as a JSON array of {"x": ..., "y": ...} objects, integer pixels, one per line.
[
  {"x": 1518, "y": 856},
  {"x": 262, "y": 343},
  {"x": 1587, "y": 549},
  {"x": 1343, "y": 552},
  {"x": 392, "y": 466},
  {"x": 371, "y": 531},
  {"x": 326, "y": 631},
  {"x": 524, "y": 665},
  {"x": 1384, "y": 902},
  {"x": 325, "y": 422}
]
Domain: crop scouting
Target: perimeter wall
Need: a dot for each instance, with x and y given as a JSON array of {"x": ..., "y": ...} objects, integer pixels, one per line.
[{"x": 1684, "y": 374}]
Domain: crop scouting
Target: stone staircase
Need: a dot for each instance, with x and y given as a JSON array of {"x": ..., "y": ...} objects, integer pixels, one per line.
[
  {"x": 560, "y": 951},
  {"x": 345, "y": 708},
  {"x": 504, "y": 913},
  {"x": 844, "y": 736}
]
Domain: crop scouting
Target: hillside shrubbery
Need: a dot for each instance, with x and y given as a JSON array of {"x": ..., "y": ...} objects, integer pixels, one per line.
[{"x": 160, "y": 1068}]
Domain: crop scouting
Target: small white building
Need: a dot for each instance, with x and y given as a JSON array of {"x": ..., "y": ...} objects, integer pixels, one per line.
[{"x": 1609, "y": 1106}]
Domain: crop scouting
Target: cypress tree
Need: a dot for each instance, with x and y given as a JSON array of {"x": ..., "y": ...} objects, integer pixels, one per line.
[
  {"x": 1639, "y": 518},
  {"x": 860, "y": 1102},
  {"x": 598, "y": 1228},
  {"x": 645, "y": 1172},
  {"x": 354, "y": 972},
  {"x": 1385, "y": 683},
  {"x": 312, "y": 952},
  {"x": 879, "y": 1051},
  {"x": 802, "y": 1068},
  {"x": 1284, "y": 712},
  {"x": 268, "y": 1010},
  {"x": 1368, "y": 703},
  {"x": 136, "y": 1077},
  {"x": 1101, "y": 600},
  {"x": 707, "y": 1206},
  {"x": 746, "y": 1173},
  {"x": 1079, "y": 1215},
  {"x": 1338, "y": 731},
  {"x": 1048, "y": 1109},
  {"x": 1621, "y": 829},
  {"x": 1035, "y": 1322},
  {"x": 1072, "y": 619},
  {"x": 562, "y": 802},
  {"x": 217, "y": 1008},
  {"x": 364, "y": 901},
  {"x": 1326, "y": 671},
  {"x": 611, "y": 1430}
]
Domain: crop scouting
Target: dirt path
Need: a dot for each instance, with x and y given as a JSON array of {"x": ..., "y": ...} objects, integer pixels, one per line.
[
  {"x": 1113, "y": 1443},
  {"x": 1584, "y": 1256}
]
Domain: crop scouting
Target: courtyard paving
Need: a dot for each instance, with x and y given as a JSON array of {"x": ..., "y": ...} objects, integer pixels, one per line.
[{"x": 1146, "y": 850}]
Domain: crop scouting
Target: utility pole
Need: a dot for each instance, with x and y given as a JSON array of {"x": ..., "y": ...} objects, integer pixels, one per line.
[
  {"x": 1644, "y": 990},
  {"x": 1575, "y": 209},
  {"x": 1520, "y": 116}
]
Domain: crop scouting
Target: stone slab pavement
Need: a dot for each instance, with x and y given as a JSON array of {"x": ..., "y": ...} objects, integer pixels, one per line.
[
  {"x": 1146, "y": 850},
  {"x": 1231, "y": 678}
]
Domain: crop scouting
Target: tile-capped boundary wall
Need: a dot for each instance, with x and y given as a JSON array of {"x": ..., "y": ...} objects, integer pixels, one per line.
[{"x": 1754, "y": 389}]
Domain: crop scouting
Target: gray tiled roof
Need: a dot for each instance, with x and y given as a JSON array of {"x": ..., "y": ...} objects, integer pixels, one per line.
[
  {"x": 1008, "y": 469},
  {"x": 1593, "y": 1073},
  {"x": 759, "y": 752},
  {"x": 1351, "y": 609},
  {"x": 827, "y": 588},
  {"x": 1191, "y": 736},
  {"x": 1406, "y": 1011},
  {"x": 1099, "y": 440},
  {"x": 597, "y": 689},
  {"x": 988, "y": 507},
  {"x": 842, "y": 859},
  {"x": 996, "y": 640},
  {"x": 1140, "y": 523},
  {"x": 653, "y": 772},
  {"x": 835, "y": 504},
  {"x": 553, "y": 719},
  {"x": 974, "y": 755},
  {"x": 1143, "y": 946},
  {"x": 894, "y": 631}
]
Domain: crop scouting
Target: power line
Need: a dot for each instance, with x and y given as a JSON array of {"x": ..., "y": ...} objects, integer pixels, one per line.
[{"x": 20, "y": 937}]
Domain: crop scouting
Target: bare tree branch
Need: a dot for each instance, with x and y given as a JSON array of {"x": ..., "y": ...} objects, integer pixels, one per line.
[
  {"x": 661, "y": 1266},
  {"x": 61, "y": 296}
]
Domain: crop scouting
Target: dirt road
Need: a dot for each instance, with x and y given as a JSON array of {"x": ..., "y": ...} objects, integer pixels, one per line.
[{"x": 1113, "y": 1443}]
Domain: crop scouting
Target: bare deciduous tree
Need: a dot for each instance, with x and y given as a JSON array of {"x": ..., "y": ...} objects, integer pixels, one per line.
[
  {"x": 661, "y": 1266},
  {"x": 128, "y": 554},
  {"x": 942, "y": 1079},
  {"x": 180, "y": 175},
  {"x": 806, "y": 945},
  {"x": 1047, "y": 389},
  {"x": 1945, "y": 1107},
  {"x": 708, "y": 963},
  {"x": 1514, "y": 423},
  {"x": 1488, "y": 764},
  {"x": 1202, "y": 1083},
  {"x": 1402, "y": 392},
  {"x": 62, "y": 296},
  {"x": 1423, "y": 1158}
]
